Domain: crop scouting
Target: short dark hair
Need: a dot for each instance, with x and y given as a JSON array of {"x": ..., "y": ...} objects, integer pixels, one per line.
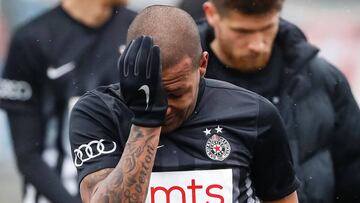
[
  {"x": 172, "y": 29},
  {"x": 249, "y": 7}
]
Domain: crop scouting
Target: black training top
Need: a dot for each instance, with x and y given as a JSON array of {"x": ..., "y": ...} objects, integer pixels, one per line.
[
  {"x": 53, "y": 60},
  {"x": 231, "y": 148}
]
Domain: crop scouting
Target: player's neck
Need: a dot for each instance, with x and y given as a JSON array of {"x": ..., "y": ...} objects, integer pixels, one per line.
[{"x": 92, "y": 13}]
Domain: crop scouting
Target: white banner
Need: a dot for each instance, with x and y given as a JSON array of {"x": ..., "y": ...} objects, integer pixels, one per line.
[{"x": 207, "y": 186}]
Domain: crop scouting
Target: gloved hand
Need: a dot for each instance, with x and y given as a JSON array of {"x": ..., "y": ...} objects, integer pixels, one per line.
[{"x": 141, "y": 83}]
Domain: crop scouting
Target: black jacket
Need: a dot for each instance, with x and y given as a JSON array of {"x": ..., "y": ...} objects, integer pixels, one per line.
[{"x": 321, "y": 116}]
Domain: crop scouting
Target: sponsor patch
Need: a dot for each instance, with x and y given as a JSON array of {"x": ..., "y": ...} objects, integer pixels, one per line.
[
  {"x": 93, "y": 149},
  {"x": 16, "y": 90},
  {"x": 204, "y": 186}
]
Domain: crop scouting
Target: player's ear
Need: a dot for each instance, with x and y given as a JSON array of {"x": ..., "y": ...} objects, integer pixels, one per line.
[
  {"x": 211, "y": 13},
  {"x": 203, "y": 63}
]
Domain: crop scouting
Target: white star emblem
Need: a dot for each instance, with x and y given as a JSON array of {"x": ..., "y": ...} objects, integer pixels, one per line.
[
  {"x": 218, "y": 129},
  {"x": 207, "y": 131}
]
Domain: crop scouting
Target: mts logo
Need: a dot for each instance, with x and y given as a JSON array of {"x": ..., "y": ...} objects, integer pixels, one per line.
[
  {"x": 193, "y": 187},
  {"x": 206, "y": 186}
]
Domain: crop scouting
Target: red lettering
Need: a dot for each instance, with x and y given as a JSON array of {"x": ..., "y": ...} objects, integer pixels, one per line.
[
  {"x": 193, "y": 188},
  {"x": 221, "y": 198},
  {"x": 167, "y": 193}
]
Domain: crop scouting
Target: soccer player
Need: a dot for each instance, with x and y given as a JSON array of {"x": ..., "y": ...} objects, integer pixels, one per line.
[
  {"x": 166, "y": 134},
  {"x": 251, "y": 47},
  {"x": 52, "y": 60}
]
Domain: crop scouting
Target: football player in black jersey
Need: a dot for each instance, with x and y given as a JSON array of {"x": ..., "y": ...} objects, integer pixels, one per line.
[
  {"x": 166, "y": 134},
  {"x": 250, "y": 46},
  {"x": 52, "y": 60}
]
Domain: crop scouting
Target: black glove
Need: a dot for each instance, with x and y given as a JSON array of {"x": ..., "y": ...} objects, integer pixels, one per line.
[{"x": 141, "y": 83}]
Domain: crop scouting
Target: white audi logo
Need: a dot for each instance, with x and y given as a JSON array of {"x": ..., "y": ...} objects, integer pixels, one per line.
[
  {"x": 15, "y": 90},
  {"x": 90, "y": 153}
]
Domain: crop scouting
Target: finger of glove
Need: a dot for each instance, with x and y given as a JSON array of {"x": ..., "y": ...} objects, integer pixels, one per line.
[
  {"x": 142, "y": 56},
  {"x": 123, "y": 72},
  {"x": 160, "y": 100},
  {"x": 153, "y": 69},
  {"x": 130, "y": 57}
]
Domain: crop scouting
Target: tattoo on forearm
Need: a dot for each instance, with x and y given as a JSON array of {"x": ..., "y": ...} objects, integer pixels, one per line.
[{"x": 128, "y": 182}]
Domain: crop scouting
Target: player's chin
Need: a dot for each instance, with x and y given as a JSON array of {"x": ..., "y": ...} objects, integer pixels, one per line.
[
  {"x": 120, "y": 2},
  {"x": 254, "y": 65},
  {"x": 170, "y": 126}
]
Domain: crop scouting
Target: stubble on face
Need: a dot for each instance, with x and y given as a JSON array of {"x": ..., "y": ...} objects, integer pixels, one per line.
[{"x": 119, "y": 2}]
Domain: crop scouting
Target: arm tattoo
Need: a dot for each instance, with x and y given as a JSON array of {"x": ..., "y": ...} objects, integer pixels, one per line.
[{"x": 128, "y": 181}]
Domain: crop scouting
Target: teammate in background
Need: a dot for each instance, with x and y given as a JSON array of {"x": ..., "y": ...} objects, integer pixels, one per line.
[
  {"x": 250, "y": 46},
  {"x": 52, "y": 60},
  {"x": 193, "y": 7},
  {"x": 164, "y": 117}
]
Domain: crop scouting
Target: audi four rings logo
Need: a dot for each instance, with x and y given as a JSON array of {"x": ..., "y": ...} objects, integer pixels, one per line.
[
  {"x": 91, "y": 150},
  {"x": 15, "y": 90}
]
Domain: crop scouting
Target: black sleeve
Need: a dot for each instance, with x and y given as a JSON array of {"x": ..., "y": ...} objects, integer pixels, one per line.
[
  {"x": 345, "y": 148},
  {"x": 272, "y": 167},
  {"x": 94, "y": 137},
  {"x": 19, "y": 95},
  {"x": 22, "y": 77}
]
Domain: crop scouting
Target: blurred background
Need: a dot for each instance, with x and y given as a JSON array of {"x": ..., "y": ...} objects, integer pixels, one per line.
[{"x": 332, "y": 25}]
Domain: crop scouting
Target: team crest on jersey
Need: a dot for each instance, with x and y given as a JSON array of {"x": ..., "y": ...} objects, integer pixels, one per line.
[{"x": 217, "y": 147}]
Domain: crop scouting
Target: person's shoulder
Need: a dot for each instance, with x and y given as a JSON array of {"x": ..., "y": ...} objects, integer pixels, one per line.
[
  {"x": 213, "y": 83},
  {"x": 35, "y": 27},
  {"x": 267, "y": 109},
  {"x": 40, "y": 21},
  {"x": 105, "y": 96},
  {"x": 125, "y": 14},
  {"x": 125, "y": 11},
  {"x": 225, "y": 99},
  {"x": 238, "y": 94},
  {"x": 109, "y": 92},
  {"x": 105, "y": 93},
  {"x": 323, "y": 70},
  {"x": 219, "y": 85}
]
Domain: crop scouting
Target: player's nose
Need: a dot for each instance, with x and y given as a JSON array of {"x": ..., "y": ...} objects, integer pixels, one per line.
[
  {"x": 257, "y": 46},
  {"x": 169, "y": 111},
  {"x": 257, "y": 43}
]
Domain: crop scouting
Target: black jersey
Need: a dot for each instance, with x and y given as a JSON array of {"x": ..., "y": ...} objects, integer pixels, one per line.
[
  {"x": 52, "y": 61},
  {"x": 233, "y": 148}
]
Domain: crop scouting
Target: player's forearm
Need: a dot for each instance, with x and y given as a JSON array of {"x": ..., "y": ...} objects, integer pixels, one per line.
[
  {"x": 45, "y": 180},
  {"x": 129, "y": 181},
  {"x": 29, "y": 160}
]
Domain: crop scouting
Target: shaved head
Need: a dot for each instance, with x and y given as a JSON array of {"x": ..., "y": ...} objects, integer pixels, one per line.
[{"x": 172, "y": 29}]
